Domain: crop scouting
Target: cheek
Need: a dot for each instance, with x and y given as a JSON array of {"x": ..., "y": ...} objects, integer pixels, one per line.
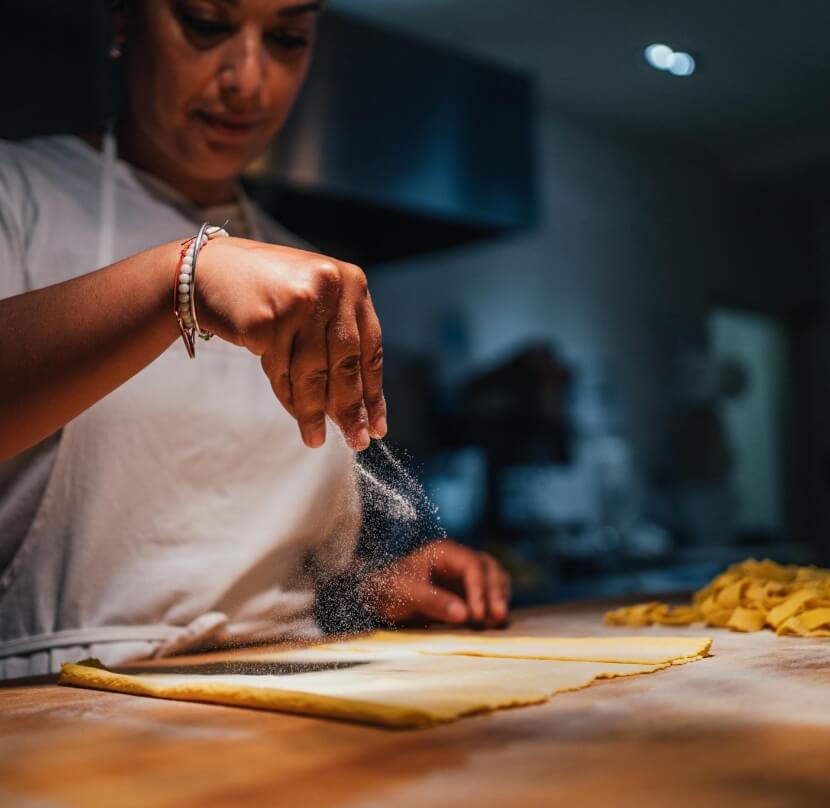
[
  {"x": 284, "y": 85},
  {"x": 161, "y": 91},
  {"x": 179, "y": 87}
]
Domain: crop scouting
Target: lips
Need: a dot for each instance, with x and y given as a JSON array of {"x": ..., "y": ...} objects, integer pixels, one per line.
[{"x": 228, "y": 128}]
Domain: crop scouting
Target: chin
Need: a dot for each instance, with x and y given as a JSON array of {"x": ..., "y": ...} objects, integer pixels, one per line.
[
  {"x": 217, "y": 163},
  {"x": 220, "y": 160},
  {"x": 223, "y": 164}
]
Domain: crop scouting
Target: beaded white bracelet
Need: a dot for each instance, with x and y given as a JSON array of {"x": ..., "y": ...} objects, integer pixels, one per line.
[{"x": 184, "y": 287}]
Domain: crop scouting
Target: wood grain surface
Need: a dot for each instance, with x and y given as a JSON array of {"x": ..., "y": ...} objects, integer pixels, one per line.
[{"x": 749, "y": 726}]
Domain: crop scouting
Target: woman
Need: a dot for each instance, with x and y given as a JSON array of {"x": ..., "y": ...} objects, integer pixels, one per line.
[{"x": 151, "y": 504}]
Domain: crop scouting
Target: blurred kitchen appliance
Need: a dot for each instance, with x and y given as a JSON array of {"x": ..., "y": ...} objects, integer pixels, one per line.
[
  {"x": 398, "y": 146},
  {"x": 517, "y": 413}
]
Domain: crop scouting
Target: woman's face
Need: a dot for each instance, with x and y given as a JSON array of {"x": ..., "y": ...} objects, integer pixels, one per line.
[{"x": 211, "y": 81}]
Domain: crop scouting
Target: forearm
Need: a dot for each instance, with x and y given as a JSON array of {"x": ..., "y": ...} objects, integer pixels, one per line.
[{"x": 65, "y": 347}]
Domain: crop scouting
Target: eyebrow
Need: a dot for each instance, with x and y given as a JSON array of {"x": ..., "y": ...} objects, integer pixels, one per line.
[
  {"x": 302, "y": 8},
  {"x": 290, "y": 11}
]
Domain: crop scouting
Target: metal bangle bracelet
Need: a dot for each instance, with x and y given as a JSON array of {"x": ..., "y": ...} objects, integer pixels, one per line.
[{"x": 197, "y": 246}]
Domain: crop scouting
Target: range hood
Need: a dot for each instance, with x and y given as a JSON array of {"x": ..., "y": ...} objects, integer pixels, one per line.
[{"x": 397, "y": 146}]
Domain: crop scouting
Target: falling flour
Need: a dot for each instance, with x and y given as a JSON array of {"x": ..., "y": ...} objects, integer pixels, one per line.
[
  {"x": 397, "y": 518},
  {"x": 396, "y": 505},
  {"x": 392, "y": 491}
]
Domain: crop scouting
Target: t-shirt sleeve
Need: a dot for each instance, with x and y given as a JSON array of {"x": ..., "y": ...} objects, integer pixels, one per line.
[{"x": 17, "y": 220}]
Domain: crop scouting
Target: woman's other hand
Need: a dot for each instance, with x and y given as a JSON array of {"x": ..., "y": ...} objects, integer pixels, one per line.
[
  {"x": 442, "y": 582},
  {"x": 311, "y": 320}
]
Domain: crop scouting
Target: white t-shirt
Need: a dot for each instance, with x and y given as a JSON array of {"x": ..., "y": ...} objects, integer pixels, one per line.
[{"x": 183, "y": 509}]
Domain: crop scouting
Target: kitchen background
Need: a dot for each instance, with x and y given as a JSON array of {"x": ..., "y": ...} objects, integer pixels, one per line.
[{"x": 605, "y": 288}]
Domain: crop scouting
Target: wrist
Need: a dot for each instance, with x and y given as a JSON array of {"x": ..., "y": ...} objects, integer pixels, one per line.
[
  {"x": 185, "y": 285},
  {"x": 161, "y": 266},
  {"x": 205, "y": 291}
]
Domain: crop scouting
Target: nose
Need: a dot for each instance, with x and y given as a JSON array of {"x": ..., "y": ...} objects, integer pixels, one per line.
[{"x": 242, "y": 76}]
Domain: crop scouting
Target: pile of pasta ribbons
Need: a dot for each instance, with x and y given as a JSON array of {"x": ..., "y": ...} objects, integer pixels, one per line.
[{"x": 749, "y": 596}]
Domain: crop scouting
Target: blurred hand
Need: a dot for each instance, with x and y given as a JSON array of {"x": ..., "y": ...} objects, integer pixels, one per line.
[
  {"x": 311, "y": 320},
  {"x": 442, "y": 582}
]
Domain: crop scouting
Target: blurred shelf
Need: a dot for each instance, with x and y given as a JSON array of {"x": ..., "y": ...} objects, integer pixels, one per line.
[{"x": 687, "y": 570}]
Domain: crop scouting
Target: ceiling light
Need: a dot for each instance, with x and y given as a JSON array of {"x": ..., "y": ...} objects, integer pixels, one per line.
[
  {"x": 659, "y": 56},
  {"x": 682, "y": 64},
  {"x": 662, "y": 57}
]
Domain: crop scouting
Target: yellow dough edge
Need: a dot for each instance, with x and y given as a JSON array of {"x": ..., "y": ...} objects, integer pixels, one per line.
[{"x": 91, "y": 674}]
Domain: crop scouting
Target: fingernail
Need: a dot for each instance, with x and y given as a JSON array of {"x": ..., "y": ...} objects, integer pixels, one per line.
[
  {"x": 362, "y": 439},
  {"x": 380, "y": 427},
  {"x": 456, "y": 612},
  {"x": 316, "y": 437}
]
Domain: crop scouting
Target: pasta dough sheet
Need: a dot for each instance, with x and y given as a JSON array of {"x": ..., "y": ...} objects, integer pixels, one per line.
[
  {"x": 749, "y": 596},
  {"x": 390, "y": 679},
  {"x": 637, "y": 650}
]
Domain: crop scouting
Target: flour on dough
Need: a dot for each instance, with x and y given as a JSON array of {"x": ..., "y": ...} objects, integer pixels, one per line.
[{"x": 644, "y": 650}]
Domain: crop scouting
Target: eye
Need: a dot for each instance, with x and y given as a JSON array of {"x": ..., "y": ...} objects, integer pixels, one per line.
[
  {"x": 288, "y": 40},
  {"x": 204, "y": 26}
]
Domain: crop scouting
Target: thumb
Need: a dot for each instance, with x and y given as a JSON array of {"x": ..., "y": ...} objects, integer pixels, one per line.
[{"x": 438, "y": 604}]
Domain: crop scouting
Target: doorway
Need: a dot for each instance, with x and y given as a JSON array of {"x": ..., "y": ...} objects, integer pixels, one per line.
[{"x": 756, "y": 419}]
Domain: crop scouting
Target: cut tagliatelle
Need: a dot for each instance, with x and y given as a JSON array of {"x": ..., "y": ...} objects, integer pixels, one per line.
[{"x": 748, "y": 596}]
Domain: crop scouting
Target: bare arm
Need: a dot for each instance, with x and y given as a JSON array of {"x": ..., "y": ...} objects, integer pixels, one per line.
[
  {"x": 64, "y": 347},
  {"x": 308, "y": 317}
]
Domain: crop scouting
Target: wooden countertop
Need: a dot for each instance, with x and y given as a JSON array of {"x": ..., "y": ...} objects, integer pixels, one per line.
[{"x": 750, "y": 726}]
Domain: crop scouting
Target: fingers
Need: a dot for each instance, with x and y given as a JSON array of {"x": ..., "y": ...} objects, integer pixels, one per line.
[
  {"x": 295, "y": 353},
  {"x": 434, "y": 603},
  {"x": 309, "y": 361},
  {"x": 345, "y": 402},
  {"x": 275, "y": 363},
  {"x": 371, "y": 365},
  {"x": 461, "y": 568},
  {"x": 319, "y": 340},
  {"x": 474, "y": 588},
  {"x": 398, "y": 597},
  {"x": 485, "y": 583},
  {"x": 445, "y": 582},
  {"x": 356, "y": 401},
  {"x": 497, "y": 589},
  {"x": 308, "y": 376}
]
